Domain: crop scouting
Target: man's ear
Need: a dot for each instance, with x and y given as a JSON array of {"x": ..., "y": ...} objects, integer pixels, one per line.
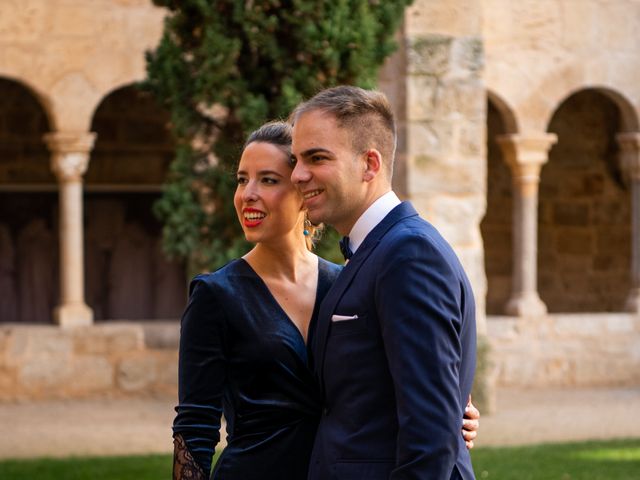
[{"x": 373, "y": 164}]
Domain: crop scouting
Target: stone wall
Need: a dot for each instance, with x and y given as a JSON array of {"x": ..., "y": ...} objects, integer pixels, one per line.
[
  {"x": 38, "y": 362},
  {"x": 445, "y": 127},
  {"x": 566, "y": 350},
  {"x": 540, "y": 52},
  {"x": 584, "y": 253},
  {"x": 73, "y": 53}
]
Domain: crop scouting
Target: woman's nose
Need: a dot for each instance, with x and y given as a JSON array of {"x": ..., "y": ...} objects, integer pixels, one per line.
[{"x": 250, "y": 193}]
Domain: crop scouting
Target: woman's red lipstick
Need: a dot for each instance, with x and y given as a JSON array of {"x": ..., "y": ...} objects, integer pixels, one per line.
[{"x": 252, "y": 217}]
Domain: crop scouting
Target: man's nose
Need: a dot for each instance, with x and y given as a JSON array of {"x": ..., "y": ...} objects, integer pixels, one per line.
[{"x": 300, "y": 174}]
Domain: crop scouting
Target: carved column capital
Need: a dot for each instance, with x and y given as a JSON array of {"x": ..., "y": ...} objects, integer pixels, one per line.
[
  {"x": 70, "y": 153},
  {"x": 629, "y": 155},
  {"x": 526, "y": 153}
]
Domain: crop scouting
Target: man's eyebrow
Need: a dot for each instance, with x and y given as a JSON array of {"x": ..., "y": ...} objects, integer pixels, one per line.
[{"x": 313, "y": 151}]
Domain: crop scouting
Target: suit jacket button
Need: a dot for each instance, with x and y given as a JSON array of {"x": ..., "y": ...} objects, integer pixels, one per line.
[{"x": 326, "y": 411}]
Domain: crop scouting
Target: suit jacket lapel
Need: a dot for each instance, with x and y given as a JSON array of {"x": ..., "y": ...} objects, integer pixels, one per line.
[{"x": 404, "y": 210}]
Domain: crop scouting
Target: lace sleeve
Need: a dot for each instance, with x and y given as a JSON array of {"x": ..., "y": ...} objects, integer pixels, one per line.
[{"x": 184, "y": 466}]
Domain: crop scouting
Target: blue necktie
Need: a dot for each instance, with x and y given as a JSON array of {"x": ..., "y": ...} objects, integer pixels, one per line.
[{"x": 344, "y": 248}]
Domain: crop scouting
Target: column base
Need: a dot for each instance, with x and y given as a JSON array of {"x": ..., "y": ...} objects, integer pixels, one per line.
[
  {"x": 526, "y": 305},
  {"x": 73, "y": 315},
  {"x": 633, "y": 301}
]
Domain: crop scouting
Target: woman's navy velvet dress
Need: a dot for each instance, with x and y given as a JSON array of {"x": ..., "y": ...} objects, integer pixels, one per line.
[{"x": 240, "y": 352}]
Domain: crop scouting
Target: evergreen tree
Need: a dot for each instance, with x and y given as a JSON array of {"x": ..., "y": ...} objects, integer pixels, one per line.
[{"x": 222, "y": 68}]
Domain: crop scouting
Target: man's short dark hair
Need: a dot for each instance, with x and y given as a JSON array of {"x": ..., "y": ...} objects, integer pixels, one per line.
[{"x": 366, "y": 114}]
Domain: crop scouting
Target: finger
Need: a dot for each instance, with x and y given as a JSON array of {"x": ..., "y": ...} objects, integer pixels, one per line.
[
  {"x": 471, "y": 412},
  {"x": 470, "y": 425},
  {"x": 469, "y": 445},
  {"x": 469, "y": 435}
]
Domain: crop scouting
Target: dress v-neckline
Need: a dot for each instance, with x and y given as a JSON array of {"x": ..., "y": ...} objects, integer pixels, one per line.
[{"x": 279, "y": 307}]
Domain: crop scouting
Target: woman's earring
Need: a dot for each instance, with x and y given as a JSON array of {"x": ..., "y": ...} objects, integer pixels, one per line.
[{"x": 307, "y": 225}]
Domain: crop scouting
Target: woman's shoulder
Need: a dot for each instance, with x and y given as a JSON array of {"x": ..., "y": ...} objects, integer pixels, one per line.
[{"x": 221, "y": 277}]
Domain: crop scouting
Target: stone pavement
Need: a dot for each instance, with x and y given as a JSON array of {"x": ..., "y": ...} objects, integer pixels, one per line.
[{"x": 130, "y": 426}]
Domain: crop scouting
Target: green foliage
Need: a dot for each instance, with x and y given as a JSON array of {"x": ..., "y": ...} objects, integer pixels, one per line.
[{"x": 224, "y": 67}]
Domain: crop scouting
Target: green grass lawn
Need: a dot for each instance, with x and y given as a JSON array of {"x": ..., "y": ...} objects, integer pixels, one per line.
[{"x": 612, "y": 460}]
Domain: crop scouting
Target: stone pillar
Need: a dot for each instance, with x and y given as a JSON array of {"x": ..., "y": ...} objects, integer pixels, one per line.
[
  {"x": 629, "y": 157},
  {"x": 525, "y": 155},
  {"x": 69, "y": 161}
]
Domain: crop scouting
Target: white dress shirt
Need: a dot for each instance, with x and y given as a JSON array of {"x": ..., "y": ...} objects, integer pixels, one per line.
[{"x": 371, "y": 217}]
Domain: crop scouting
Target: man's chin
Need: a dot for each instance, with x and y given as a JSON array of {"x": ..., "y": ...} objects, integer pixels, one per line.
[{"x": 315, "y": 217}]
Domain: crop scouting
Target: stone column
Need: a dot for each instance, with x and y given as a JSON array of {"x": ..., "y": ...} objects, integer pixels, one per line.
[
  {"x": 525, "y": 155},
  {"x": 69, "y": 161},
  {"x": 629, "y": 157}
]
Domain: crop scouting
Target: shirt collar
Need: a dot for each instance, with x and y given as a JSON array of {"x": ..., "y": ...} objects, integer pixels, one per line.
[{"x": 371, "y": 217}]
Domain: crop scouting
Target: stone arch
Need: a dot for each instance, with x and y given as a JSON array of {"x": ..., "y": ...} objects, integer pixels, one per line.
[
  {"x": 43, "y": 100},
  {"x": 129, "y": 121},
  {"x": 584, "y": 207},
  {"x": 129, "y": 276},
  {"x": 115, "y": 87},
  {"x": 507, "y": 114},
  {"x": 28, "y": 208},
  {"x": 496, "y": 226},
  {"x": 607, "y": 74},
  {"x": 628, "y": 116}
]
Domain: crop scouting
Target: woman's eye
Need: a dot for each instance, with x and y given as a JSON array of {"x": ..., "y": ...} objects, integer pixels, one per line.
[
  {"x": 269, "y": 181},
  {"x": 317, "y": 158},
  {"x": 241, "y": 180}
]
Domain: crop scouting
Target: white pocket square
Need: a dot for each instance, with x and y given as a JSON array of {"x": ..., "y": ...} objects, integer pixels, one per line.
[{"x": 343, "y": 318}]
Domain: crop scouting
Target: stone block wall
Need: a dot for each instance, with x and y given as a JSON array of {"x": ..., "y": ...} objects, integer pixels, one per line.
[
  {"x": 584, "y": 252},
  {"x": 446, "y": 108},
  {"x": 127, "y": 359},
  {"x": 71, "y": 60},
  {"x": 567, "y": 350},
  {"x": 43, "y": 362}
]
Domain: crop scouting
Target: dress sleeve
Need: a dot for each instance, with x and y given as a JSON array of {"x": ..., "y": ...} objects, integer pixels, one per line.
[{"x": 201, "y": 374}]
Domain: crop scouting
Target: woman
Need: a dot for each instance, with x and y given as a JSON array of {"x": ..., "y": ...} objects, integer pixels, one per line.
[{"x": 244, "y": 334}]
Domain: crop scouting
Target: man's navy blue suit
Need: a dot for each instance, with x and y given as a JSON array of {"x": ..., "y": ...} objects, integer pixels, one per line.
[{"x": 396, "y": 379}]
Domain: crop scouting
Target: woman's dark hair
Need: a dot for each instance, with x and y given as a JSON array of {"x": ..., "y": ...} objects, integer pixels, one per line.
[{"x": 276, "y": 133}]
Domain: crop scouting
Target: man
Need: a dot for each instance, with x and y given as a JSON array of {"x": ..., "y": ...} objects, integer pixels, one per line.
[{"x": 394, "y": 346}]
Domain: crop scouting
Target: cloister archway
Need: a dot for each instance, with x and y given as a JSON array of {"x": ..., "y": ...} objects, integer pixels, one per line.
[
  {"x": 127, "y": 276},
  {"x": 584, "y": 216},
  {"x": 28, "y": 209}
]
